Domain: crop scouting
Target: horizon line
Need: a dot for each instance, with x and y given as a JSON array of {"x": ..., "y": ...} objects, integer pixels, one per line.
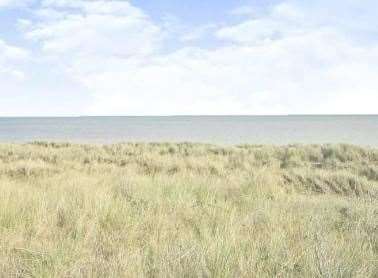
[{"x": 188, "y": 115}]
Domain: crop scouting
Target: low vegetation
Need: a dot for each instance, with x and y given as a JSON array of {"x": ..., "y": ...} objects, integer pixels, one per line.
[{"x": 188, "y": 210}]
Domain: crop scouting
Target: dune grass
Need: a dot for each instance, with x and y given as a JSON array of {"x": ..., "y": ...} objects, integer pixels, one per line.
[{"x": 188, "y": 210}]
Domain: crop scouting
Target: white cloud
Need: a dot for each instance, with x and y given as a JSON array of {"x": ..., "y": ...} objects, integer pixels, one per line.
[
  {"x": 299, "y": 75},
  {"x": 10, "y": 57},
  {"x": 94, "y": 28},
  {"x": 95, "y": 6},
  {"x": 319, "y": 65},
  {"x": 14, "y": 3},
  {"x": 8, "y": 52},
  {"x": 291, "y": 59},
  {"x": 279, "y": 63},
  {"x": 243, "y": 11},
  {"x": 14, "y": 74},
  {"x": 283, "y": 20},
  {"x": 197, "y": 33}
]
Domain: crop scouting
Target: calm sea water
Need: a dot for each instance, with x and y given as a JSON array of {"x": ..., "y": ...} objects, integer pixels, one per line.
[{"x": 361, "y": 130}]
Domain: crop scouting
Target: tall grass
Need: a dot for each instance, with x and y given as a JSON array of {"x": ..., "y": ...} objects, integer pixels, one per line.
[{"x": 188, "y": 210}]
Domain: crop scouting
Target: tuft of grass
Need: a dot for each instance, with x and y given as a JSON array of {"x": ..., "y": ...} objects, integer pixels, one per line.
[{"x": 188, "y": 210}]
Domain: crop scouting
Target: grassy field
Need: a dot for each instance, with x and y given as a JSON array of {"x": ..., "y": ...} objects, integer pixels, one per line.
[{"x": 188, "y": 210}]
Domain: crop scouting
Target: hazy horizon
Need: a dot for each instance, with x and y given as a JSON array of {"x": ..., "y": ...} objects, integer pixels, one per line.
[
  {"x": 308, "y": 129},
  {"x": 196, "y": 115}
]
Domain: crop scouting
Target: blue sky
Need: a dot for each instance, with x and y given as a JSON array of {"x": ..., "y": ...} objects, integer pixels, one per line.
[{"x": 171, "y": 57}]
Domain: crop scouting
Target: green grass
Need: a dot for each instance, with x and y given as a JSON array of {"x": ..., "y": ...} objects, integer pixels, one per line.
[{"x": 188, "y": 210}]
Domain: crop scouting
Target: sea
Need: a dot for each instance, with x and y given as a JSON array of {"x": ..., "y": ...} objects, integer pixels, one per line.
[{"x": 223, "y": 130}]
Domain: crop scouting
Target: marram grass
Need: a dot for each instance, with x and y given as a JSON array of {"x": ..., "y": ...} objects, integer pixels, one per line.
[{"x": 188, "y": 210}]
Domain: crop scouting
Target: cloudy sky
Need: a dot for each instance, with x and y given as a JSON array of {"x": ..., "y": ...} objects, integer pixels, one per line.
[{"x": 174, "y": 57}]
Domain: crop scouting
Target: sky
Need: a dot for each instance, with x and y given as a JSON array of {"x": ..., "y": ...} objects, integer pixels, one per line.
[{"x": 175, "y": 57}]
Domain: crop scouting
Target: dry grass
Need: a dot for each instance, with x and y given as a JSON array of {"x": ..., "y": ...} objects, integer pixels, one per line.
[{"x": 188, "y": 210}]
